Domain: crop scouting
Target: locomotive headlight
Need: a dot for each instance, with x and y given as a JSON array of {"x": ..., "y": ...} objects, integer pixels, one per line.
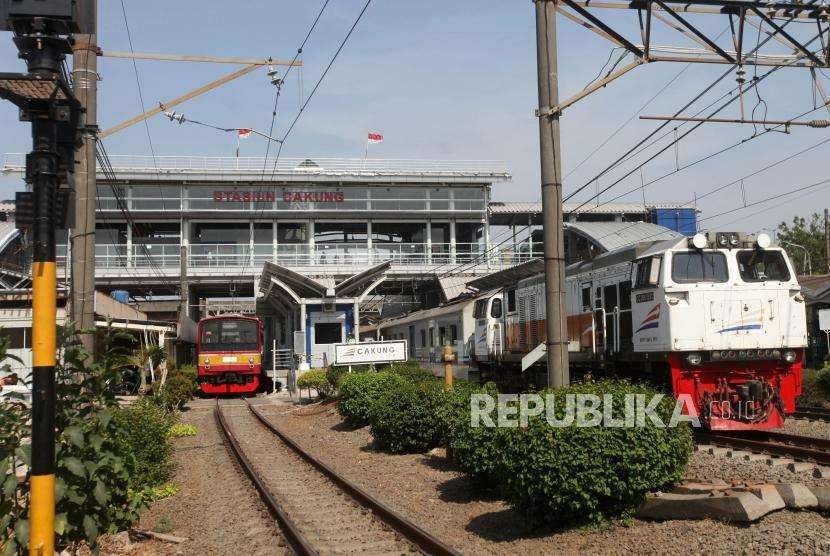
[
  {"x": 789, "y": 356},
  {"x": 694, "y": 359},
  {"x": 763, "y": 241},
  {"x": 723, "y": 241},
  {"x": 734, "y": 240},
  {"x": 700, "y": 241}
]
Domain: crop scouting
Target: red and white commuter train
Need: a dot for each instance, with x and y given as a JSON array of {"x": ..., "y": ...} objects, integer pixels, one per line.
[{"x": 719, "y": 317}]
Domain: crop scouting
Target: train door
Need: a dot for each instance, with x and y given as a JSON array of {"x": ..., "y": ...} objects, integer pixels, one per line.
[
  {"x": 599, "y": 321},
  {"x": 610, "y": 303}
]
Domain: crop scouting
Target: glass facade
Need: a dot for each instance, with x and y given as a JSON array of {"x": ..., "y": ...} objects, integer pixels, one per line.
[
  {"x": 300, "y": 198},
  {"x": 298, "y": 224}
]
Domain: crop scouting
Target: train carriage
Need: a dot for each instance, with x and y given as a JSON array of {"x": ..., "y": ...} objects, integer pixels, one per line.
[
  {"x": 719, "y": 317},
  {"x": 428, "y": 331},
  {"x": 229, "y": 353}
]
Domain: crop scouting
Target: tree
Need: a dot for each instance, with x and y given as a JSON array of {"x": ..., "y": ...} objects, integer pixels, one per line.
[{"x": 798, "y": 237}]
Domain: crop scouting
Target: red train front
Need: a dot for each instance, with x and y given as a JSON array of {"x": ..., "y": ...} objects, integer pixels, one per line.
[{"x": 229, "y": 353}]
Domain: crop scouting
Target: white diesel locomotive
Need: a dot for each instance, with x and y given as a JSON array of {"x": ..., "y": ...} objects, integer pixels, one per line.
[{"x": 719, "y": 317}]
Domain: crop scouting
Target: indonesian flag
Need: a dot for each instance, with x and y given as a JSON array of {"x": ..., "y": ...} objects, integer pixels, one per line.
[
  {"x": 244, "y": 132},
  {"x": 375, "y": 137}
]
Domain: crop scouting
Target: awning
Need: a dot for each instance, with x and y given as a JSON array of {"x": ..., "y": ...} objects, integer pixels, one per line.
[
  {"x": 356, "y": 284},
  {"x": 508, "y": 276}
]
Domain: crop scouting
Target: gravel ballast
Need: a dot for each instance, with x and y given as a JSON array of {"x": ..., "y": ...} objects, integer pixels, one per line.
[
  {"x": 217, "y": 508},
  {"x": 425, "y": 488}
]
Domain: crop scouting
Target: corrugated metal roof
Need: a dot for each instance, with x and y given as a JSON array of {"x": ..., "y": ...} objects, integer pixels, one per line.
[
  {"x": 454, "y": 286},
  {"x": 8, "y": 231},
  {"x": 497, "y": 207},
  {"x": 508, "y": 275},
  {"x": 615, "y": 235}
]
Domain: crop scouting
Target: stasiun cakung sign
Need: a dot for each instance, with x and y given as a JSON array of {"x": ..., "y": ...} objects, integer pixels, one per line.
[{"x": 236, "y": 196}]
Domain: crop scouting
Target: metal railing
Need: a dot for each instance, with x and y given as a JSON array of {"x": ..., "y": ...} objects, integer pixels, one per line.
[
  {"x": 305, "y": 255},
  {"x": 16, "y": 162}
]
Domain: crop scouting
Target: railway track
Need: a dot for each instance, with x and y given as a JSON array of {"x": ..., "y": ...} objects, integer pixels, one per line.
[
  {"x": 801, "y": 448},
  {"x": 319, "y": 511},
  {"x": 812, "y": 413}
]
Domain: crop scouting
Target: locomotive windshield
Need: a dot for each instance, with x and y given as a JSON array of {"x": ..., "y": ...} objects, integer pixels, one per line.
[
  {"x": 762, "y": 266},
  {"x": 699, "y": 266},
  {"x": 229, "y": 335}
]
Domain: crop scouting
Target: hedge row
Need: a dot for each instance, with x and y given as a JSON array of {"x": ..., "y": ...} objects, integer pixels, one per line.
[{"x": 563, "y": 475}]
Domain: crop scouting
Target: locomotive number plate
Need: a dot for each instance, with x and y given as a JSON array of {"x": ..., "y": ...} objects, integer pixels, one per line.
[
  {"x": 228, "y": 359},
  {"x": 643, "y": 297}
]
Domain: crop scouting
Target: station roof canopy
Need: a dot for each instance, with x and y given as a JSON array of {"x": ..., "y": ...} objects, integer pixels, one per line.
[
  {"x": 609, "y": 236},
  {"x": 505, "y": 214},
  {"x": 508, "y": 275},
  {"x": 360, "y": 281},
  {"x": 301, "y": 287}
]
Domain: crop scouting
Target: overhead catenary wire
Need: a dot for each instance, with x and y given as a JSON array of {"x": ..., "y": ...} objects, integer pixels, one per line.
[
  {"x": 681, "y": 137},
  {"x": 685, "y": 107},
  {"x": 141, "y": 97},
  {"x": 308, "y": 99}
]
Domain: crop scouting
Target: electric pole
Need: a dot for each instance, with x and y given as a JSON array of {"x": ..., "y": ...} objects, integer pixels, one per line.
[
  {"x": 41, "y": 33},
  {"x": 827, "y": 239},
  {"x": 85, "y": 85},
  {"x": 551, "y": 159}
]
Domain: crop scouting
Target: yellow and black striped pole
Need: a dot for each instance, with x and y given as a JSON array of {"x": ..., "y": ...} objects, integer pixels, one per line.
[{"x": 42, "y": 165}]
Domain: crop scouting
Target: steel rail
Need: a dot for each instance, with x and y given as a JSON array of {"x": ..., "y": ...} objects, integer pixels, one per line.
[
  {"x": 425, "y": 541},
  {"x": 297, "y": 541},
  {"x": 814, "y": 413},
  {"x": 803, "y": 448}
]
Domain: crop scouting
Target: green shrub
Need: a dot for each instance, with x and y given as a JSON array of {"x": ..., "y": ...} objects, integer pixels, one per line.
[
  {"x": 144, "y": 434},
  {"x": 359, "y": 391},
  {"x": 188, "y": 369},
  {"x": 406, "y": 417},
  {"x": 180, "y": 430},
  {"x": 410, "y": 370},
  {"x": 573, "y": 475},
  {"x": 475, "y": 450},
  {"x": 316, "y": 380},
  {"x": 815, "y": 387},
  {"x": 178, "y": 389},
  {"x": 334, "y": 375}
]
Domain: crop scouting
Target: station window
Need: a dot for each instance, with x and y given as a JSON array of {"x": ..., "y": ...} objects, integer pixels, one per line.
[
  {"x": 442, "y": 335},
  {"x": 110, "y": 234},
  {"x": 586, "y": 298},
  {"x": 328, "y": 333},
  {"x": 292, "y": 233},
  {"x": 156, "y": 198},
  {"x": 423, "y": 338},
  {"x": 453, "y": 333},
  {"x": 18, "y": 337},
  {"x": 431, "y": 337},
  {"x": 340, "y": 232}
]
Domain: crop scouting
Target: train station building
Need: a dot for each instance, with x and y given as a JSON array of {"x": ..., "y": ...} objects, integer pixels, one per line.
[{"x": 198, "y": 229}]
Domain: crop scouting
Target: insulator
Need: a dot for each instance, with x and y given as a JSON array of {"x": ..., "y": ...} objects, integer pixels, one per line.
[{"x": 819, "y": 123}]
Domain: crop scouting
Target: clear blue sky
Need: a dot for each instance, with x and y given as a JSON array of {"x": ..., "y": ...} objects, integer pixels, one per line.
[{"x": 446, "y": 80}]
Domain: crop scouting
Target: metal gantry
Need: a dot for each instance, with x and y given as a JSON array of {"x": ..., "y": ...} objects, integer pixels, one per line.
[{"x": 807, "y": 46}]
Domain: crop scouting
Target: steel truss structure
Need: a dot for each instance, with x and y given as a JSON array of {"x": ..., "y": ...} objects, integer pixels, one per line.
[{"x": 768, "y": 20}]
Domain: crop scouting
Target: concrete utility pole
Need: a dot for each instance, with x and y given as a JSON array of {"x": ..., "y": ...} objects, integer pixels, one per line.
[
  {"x": 85, "y": 84},
  {"x": 551, "y": 157},
  {"x": 827, "y": 239}
]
